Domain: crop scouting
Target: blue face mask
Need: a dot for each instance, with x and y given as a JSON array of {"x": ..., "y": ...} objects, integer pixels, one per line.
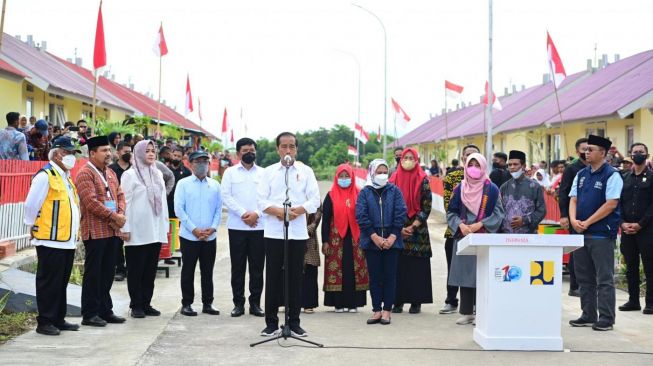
[{"x": 344, "y": 182}]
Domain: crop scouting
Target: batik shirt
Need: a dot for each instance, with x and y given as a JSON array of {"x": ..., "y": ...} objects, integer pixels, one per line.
[{"x": 523, "y": 198}]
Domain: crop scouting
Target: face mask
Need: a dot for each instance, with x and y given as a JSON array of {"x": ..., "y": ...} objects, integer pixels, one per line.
[
  {"x": 381, "y": 180},
  {"x": 474, "y": 172},
  {"x": 344, "y": 182},
  {"x": 517, "y": 174},
  {"x": 398, "y": 159},
  {"x": 638, "y": 159},
  {"x": 166, "y": 160},
  {"x": 69, "y": 161},
  {"x": 408, "y": 164},
  {"x": 496, "y": 165},
  {"x": 126, "y": 157},
  {"x": 582, "y": 156},
  {"x": 249, "y": 157},
  {"x": 201, "y": 169},
  {"x": 176, "y": 162}
]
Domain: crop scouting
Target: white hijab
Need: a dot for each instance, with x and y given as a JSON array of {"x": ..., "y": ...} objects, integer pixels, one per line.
[{"x": 371, "y": 172}]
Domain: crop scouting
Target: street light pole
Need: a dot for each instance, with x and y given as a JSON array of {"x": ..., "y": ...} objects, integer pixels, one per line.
[
  {"x": 358, "y": 64},
  {"x": 385, "y": 80}
]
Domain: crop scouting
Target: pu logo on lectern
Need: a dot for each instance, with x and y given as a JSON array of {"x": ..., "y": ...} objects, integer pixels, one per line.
[{"x": 542, "y": 272}]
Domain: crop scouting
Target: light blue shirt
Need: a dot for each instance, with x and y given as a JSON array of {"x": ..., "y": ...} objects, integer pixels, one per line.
[
  {"x": 612, "y": 191},
  {"x": 198, "y": 204}
]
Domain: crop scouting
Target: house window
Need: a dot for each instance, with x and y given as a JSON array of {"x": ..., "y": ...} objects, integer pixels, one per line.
[
  {"x": 596, "y": 131},
  {"x": 29, "y": 107},
  {"x": 555, "y": 147},
  {"x": 630, "y": 136}
]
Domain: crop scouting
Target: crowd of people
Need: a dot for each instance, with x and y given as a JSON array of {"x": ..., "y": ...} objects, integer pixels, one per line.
[{"x": 373, "y": 238}]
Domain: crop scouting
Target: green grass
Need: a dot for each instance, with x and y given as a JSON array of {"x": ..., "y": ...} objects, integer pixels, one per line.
[{"x": 15, "y": 324}]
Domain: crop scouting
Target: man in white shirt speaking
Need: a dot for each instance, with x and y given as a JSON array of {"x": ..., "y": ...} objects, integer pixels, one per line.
[
  {"x": 297, "y": 180},
  {"x": 239, "y": 184}
]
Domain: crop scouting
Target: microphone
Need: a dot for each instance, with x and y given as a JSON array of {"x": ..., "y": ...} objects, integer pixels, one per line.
[{"x": 288, "y": 160}]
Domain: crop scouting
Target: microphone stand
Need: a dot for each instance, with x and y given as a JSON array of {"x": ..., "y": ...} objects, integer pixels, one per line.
[{"x": 285, "y": 328}]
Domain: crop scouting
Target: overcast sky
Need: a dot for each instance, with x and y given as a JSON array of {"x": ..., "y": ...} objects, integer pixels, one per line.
[{"x": 286, "y": 62}]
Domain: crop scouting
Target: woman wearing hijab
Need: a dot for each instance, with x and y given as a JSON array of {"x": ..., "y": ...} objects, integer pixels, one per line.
[
  {"x": 146, "y": 227},
  {"x": 542, "y": 178},
  {"x": 310, "y": 290},
  {"x": 475, "y": 207},
  {"x": 380, "y": 213},
  {"x": 414, "y": 268},
  {"x": 345, "y": 270}
]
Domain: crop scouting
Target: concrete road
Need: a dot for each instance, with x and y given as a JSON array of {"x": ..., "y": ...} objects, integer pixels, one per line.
[{"x": 426, "y": 338}]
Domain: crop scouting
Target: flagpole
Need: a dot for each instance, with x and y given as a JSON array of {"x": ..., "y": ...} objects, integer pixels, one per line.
[
  {"x": 446, "y": 129},
  {"x": 158, "y": 105},
  {"x": 2, "y": 22},
  {"x": 490, "y": 93},
  {"x": 94, "y": 97},
  {"x": 562, "y": 121}
]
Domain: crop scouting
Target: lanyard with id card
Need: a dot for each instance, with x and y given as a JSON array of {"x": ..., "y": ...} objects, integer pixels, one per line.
[{"x": 109, "y": 202}]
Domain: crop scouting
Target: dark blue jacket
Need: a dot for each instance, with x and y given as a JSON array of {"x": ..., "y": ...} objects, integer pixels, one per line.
[
  {"x": 590, "y": 195},
  {"x": 383, "y": 214}
]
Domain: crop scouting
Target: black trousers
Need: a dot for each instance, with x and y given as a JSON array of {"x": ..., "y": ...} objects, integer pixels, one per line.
[
  {"x": 309, "y": 287},
  {"x": 192, "y": 252},
  {"x": 274, "y": 279},
  {"x": 120, "y": 258},
  {"x": 52, "y": 275},
  {"x": 452, "y": 291},
  {"x": 141, "y": 265},
  {"x": 632, "y": 248},
  {"x": 573, "y": 283},
  {"x": 246, "y": 247},
  {"x": 467, "y": 300},
  {"x": 99, "y": 269}
]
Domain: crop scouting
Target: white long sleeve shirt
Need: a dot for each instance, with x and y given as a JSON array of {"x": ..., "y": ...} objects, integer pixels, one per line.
[
  {"x": 142, "y": 225},
  {"x": 239, "y": 186},
  {"x": 303, "y": 191},
  {"x": 35, "y": 198}
]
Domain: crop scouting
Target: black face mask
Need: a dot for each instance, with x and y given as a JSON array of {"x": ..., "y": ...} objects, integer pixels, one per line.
[
  {"x": 167, "y": 160},
  {"x": 249, "y": 157},
  {"x": 582, "y": 156},
  {"x": 398, "y": 159},
  {"x": 176, "y": 162},
  {"x": 126, "y": 157},
  {"x": 496, "y": 165},
  {"x": 638, "y": 159}
]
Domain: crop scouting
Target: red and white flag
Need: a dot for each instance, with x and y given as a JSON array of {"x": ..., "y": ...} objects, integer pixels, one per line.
[
  {"x": 160, "y": 47},
  {"x": 452, "y": 90},
  {"x": 225, "y": 126},
  {"x": 360, "y": 134},
  {"x": 556, "y": 68},
  {"x": 352, "y": 151},
  {"x": 231, "y": 139},
  {"x": 99, "y": 51},
  {"x": 189, "y": 97},
  {"x": 400, "y": 111},
  {"x": 378, "y": 135},
  {"x": 496, "y": 104}
]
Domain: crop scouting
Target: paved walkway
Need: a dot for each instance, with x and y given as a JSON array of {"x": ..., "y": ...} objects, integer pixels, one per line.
[{"x": 173, "y": 339}]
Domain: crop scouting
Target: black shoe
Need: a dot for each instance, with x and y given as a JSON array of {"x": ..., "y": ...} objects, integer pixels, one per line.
[
  {"x": 648, "y": 310},
  {"x": 188, "y": 311},
  {"x": 415, "y": 309},
  {"x": 270, "y": 331},
  {"x": 150, "y": 311},
  {"x": 68, "y": 326},
  {"x": 629, "y": 306},
  {"x": 94, "y": 321},
  {"x": 137, "y": 313},
  {"x": 169, "y": 261},
  {"x": 297, "y": 331},
  {"x": 602, "y": 326},
  {"x": 114, "y": 319},
  {"x": 574, "y": 293},
  {"x": 580, "y": 322},
  {"x": 48, "y": 330},
  {"x": 398, "y": 309},
  {"x": 119, "y": 277},
  {"x": 256, "y": 310},
  {"x": 385, "y": 322},
  {"x": 373, "y": 321},
  {"x": 238, "y": 311},
  {"x": 209, "y": 309}
]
